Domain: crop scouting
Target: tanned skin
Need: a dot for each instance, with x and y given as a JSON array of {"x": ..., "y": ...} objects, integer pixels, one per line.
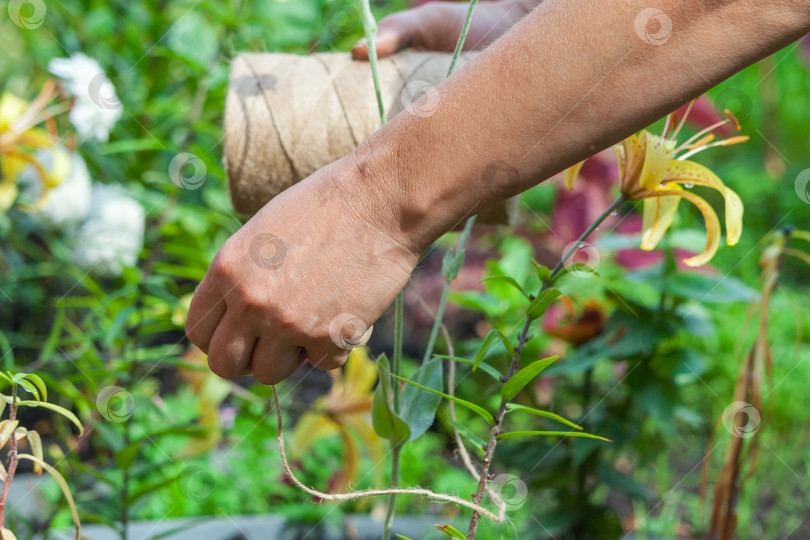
[{"x": 566, "y": 79}]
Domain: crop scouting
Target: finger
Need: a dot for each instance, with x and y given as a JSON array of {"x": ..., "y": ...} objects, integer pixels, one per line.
[
  {"x": 206, "y": 310},
  {"x": 231, "y": 347},
  {"x": 274, "y": 361},
  {"x": 395, "y": 32},
  {"x": 326, "y": 356}
]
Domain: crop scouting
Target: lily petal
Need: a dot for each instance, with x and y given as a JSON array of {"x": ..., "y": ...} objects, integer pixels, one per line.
[
  {"x": 656, "y": 159},
  {"x": 570, "y": 174},
  {"x": 734, "y": 214},
  {"x": 689, "y": 172},
  {"x": 658, "y": 215},
  {"x": 709, "y": 216}
]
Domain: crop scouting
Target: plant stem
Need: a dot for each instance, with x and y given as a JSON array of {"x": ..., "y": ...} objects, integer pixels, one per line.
[
  {"x": 12, "y": 457},
  {"x": 395, "y": 450},
  {"x": 523, "y": 337},
  {"x": 370, "y": 29},
  {"x": 392, "y": 498},
  {"x": 462, "y": 37},
  {"x": 437, "y": 321}
]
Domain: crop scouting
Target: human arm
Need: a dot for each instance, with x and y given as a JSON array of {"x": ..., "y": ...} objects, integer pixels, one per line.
[{"x": 570, "y": 79}]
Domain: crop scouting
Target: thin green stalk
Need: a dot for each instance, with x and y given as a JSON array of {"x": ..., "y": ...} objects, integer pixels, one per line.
[
  {"x": 370, "y": 30},
  {"x": 437, "y": 322},
  {"x": 610, "y": 209},
  {"x": 396, "y": 364},
  {"x": 462, "y": 37}
]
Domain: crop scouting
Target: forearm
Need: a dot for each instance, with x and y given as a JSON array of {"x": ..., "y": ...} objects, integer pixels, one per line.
[{"x": 570, "y": 79}]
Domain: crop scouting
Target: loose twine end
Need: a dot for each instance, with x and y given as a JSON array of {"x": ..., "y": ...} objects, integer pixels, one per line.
[{"x": 497, "y": 518}]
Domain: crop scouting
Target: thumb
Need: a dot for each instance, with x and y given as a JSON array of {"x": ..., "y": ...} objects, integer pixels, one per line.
[{"x": 395, "y": 32}]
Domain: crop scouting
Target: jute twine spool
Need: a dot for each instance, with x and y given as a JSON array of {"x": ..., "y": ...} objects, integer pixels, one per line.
[{"x": 286, "y": 116}]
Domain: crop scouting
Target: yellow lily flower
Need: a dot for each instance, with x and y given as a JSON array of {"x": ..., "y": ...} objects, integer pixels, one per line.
[
  {"x": 654, "y": 169},
  {"x": 20, "y": 138}
]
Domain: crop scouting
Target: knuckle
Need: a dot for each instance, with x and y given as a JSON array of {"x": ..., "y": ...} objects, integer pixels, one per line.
[
  {"x": 219, "y": 368},
  {"x": 328, "y": 361}
]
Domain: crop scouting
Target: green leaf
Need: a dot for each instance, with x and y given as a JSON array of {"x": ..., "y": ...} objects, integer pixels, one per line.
[
  {"x": 545, "y": 414},
  {"x": 126, "y": 457},
  {"x": 523, "y": 377},
  {"x": 508, "y": 280},
  {"x": 486, "y": 368},
  {"x": 129, "y": 146},
  {"x": 451, "y": 531},
  {"x": 510, "y": 434},
  {"x": 471, "y": 406},
  {"x": 541, "y": 303},
  {"x": 29, "y": 386},
  {"x": 576, "y": 267},
  {"x": 542, "y": 272},
  {"x": 56, "y": 408},
  {"x": 465, "y": 432},
  {"x": 387, "y": 424},
  {"x": 160, "y": 484},
  {"x": 40, "y": 384},
  {"x": 487, "y": 345},
  {"x": 402, "y": 537},
  {"x": 419, "y": 407}
]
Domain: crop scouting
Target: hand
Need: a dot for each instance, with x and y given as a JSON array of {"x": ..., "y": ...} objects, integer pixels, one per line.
[
  {"x": 435, "y": 26},
  {"x": 302, "y": 280}
]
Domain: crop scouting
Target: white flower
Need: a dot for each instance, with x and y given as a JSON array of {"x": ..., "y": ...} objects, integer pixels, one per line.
[
  {"x": 112, "y": 236},
  {"x": 66, "y": 205},
  {"x": 96, "y": 109}
]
